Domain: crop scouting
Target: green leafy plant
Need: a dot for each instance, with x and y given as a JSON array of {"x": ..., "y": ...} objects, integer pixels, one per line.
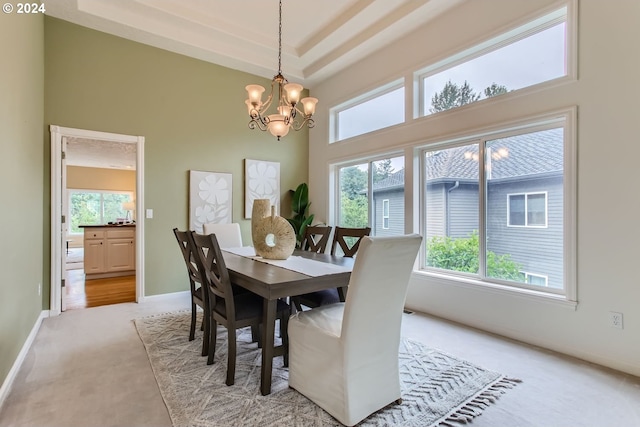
[
  {"x": 463, "y": 254},
  {"x": 300, "y": 205}
]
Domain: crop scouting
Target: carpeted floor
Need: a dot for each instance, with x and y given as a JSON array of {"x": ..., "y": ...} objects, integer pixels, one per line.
[{"x": 436, "y": 387}]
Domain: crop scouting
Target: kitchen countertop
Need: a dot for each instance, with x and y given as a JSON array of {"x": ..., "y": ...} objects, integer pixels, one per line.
[{"x": 107, "y": 225}]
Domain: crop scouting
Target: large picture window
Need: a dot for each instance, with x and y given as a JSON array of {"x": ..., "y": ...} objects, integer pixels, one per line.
[
  {"x": 494, "y": 207},
  {"x": 526, "y": 56}
]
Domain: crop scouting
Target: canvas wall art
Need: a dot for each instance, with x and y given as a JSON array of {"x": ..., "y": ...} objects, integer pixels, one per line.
[
  {"x": 210, "y": 198},
  {"x": 262, "y": 181}
]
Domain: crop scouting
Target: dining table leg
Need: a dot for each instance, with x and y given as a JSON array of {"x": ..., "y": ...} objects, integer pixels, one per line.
[{"x": 268, "y": 331}]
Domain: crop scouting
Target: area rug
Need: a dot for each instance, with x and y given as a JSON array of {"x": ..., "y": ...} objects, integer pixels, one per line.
[{"x": 438, "y": 389}]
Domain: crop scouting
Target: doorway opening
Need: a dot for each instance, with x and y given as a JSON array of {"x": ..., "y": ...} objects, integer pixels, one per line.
[{"x": 81, "y": 162}]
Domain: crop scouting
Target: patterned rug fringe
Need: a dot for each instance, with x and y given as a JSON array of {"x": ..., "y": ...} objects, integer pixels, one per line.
[{"x": 473, "y": 408}]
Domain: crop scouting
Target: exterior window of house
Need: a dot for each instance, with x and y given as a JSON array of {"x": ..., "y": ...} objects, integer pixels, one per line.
[
  {"x": 95, "y": 207},
  {"x": 385, "y": 214},
  {"x": 527, "y": 210},
  {"x": 377, "y": 109},
  {"x": 372, "y": 195},
  {"x": 534, "y": 279},
  {"x": 494, "y": 207},
  {"x": 531, "y": 54}
]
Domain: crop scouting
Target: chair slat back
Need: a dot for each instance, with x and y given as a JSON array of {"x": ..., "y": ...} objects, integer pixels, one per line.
[
  {"x": 348, "y": 239},
  {"x": 185, "y": 249},
  {"x": 211, "y": 265},
  {"x": 316, "y": 238}
]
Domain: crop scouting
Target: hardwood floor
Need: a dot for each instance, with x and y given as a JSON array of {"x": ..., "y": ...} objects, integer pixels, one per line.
[{"x": 83, "y": 293}]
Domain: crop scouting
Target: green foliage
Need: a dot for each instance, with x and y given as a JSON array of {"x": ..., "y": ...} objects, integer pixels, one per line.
[
  {"x": 454, "y": 95},
  {"x": 383, "y": 170},
  {"x": 353, "y": 181},
  {"x": 463, "y": 254},
  {"x": 300, "y": 205},
  {"x": 495, "y": 89},
  {"x": 353, "y": 211}
]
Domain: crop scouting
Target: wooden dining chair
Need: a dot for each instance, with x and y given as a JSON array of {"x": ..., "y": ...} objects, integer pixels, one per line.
[
  {"x": 228, "y": 235},
  {"x": 348, "y": 240},
  {"x": 316, "y": 238},
  {"x": 231, "y": 311},
  {"x": 199, "y": 297}
]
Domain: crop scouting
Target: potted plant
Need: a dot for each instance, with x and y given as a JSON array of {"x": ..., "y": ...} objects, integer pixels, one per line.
[{"x": 300, "y": 205}]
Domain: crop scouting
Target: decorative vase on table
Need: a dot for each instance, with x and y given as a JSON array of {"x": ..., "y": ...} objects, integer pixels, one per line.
[
  {"x": 261, "y": 209},
  {"x": 273, "y": 236}
]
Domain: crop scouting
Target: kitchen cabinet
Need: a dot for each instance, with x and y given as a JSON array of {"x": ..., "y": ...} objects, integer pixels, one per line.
[{"x": 109, "y": 251}]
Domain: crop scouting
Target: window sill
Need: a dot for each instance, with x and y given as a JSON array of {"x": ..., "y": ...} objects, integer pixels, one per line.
[{"x": 495, "y": 288}]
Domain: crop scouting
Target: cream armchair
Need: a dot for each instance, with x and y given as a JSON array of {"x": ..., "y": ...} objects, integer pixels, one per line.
[{"x": 344, "y": 356}]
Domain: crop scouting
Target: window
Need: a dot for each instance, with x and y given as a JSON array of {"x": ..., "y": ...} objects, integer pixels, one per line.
[
  {"x": 534, "y": 279},
  {"x": 374, "y": 110},
  {"x": 528, "y": 55},
  {"x": 494, "y": 207},
  {"x": 369, "y": 192},
  {"x": 527, "y": 210},
  {"x": 385, "y": 214},
  {"x": 95, "y": 207}
]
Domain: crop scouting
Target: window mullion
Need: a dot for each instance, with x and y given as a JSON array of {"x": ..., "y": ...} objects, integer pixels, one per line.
[{"x": 482, "y": 220}]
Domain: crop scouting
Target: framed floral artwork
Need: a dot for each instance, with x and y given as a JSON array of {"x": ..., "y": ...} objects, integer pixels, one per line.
[
  {"x": 209, "y": 198},
  {"x": 261, "y": 181}
]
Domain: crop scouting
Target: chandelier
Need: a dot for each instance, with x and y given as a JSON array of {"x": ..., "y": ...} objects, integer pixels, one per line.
[{"x": 286, "y": 113}]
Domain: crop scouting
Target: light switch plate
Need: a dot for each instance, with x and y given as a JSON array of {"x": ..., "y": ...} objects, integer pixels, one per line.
[{"x": 149, "y": 213}]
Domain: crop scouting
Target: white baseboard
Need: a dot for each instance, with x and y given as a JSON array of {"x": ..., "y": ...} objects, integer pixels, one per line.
[
  {"x": 8, "y": 381},
  {"x": 153, "y": 298}
]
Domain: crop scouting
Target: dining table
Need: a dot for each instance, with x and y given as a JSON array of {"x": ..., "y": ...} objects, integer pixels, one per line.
[{"x": 274, "y": 280}]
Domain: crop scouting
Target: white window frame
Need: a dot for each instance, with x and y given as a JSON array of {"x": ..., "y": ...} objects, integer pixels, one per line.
[
  {"x": 560, "y": 13},
  {"x": 334, "y": 112},
  {"x": 526, "y": 209},
  {"x": 563, "y": 118},
  {"x": 385, "y": 202},
  {"x": 528, "y": 275}
]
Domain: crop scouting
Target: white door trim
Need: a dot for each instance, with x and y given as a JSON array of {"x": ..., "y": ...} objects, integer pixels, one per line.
[{"x": 57, "y": 133}]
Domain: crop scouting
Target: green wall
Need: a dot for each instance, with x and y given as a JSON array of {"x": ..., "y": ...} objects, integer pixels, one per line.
[
  {"x": 191, "y": 113},
  {"x": 22, "y": 181}
]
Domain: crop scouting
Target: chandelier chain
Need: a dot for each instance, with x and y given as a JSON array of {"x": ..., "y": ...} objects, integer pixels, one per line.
[{"x": 280, "y": 40}]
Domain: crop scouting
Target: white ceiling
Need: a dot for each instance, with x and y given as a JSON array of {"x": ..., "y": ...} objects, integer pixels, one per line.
[
  {"x": 319, "y": 37},
  {"x": 100, "y": 154}
]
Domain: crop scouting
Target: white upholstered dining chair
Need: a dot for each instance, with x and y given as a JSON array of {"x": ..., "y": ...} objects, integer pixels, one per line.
[
  {"x": 344, "y": 356},
  {"x": 228, "y": 235}
]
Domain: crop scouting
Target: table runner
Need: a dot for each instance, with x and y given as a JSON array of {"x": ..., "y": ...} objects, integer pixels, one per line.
[{"x": 309, "y": 267}]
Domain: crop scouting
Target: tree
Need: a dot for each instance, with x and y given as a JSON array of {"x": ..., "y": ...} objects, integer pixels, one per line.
[
  {"x": 383, "y": 170},
  {"x": 495, "y": 89},
  {"x": 353, "y": 211},
  {"x": 453, "y": 96},
  {"x": 463, "y": 254},
  {"x": 353, "y": 181}
]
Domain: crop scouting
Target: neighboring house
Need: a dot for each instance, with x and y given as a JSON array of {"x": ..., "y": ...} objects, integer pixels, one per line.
[{"x": 524, "y": 201}]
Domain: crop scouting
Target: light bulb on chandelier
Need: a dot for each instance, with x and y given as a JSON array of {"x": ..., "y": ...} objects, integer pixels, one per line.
[{"x": 287, "y": 112}]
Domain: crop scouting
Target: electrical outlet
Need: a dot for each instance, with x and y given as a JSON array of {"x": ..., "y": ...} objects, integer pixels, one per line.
[
  {"x": 39, "y": 289},
  {"x": 615, "y": 319}
]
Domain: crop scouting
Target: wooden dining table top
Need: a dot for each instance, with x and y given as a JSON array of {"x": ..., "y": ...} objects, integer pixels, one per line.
[{"x": 273, "y": 282}]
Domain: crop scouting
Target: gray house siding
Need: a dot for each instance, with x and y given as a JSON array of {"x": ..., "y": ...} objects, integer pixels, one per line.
[
  {"x": 435, "y": 224},
  {"x": 463, "y": 210},
  {"x": 396, "y": 213},
  {"x": 537, "y": 250}
]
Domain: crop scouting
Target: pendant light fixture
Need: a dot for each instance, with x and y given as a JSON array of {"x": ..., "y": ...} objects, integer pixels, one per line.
[{"x": 284, "y": 116}]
